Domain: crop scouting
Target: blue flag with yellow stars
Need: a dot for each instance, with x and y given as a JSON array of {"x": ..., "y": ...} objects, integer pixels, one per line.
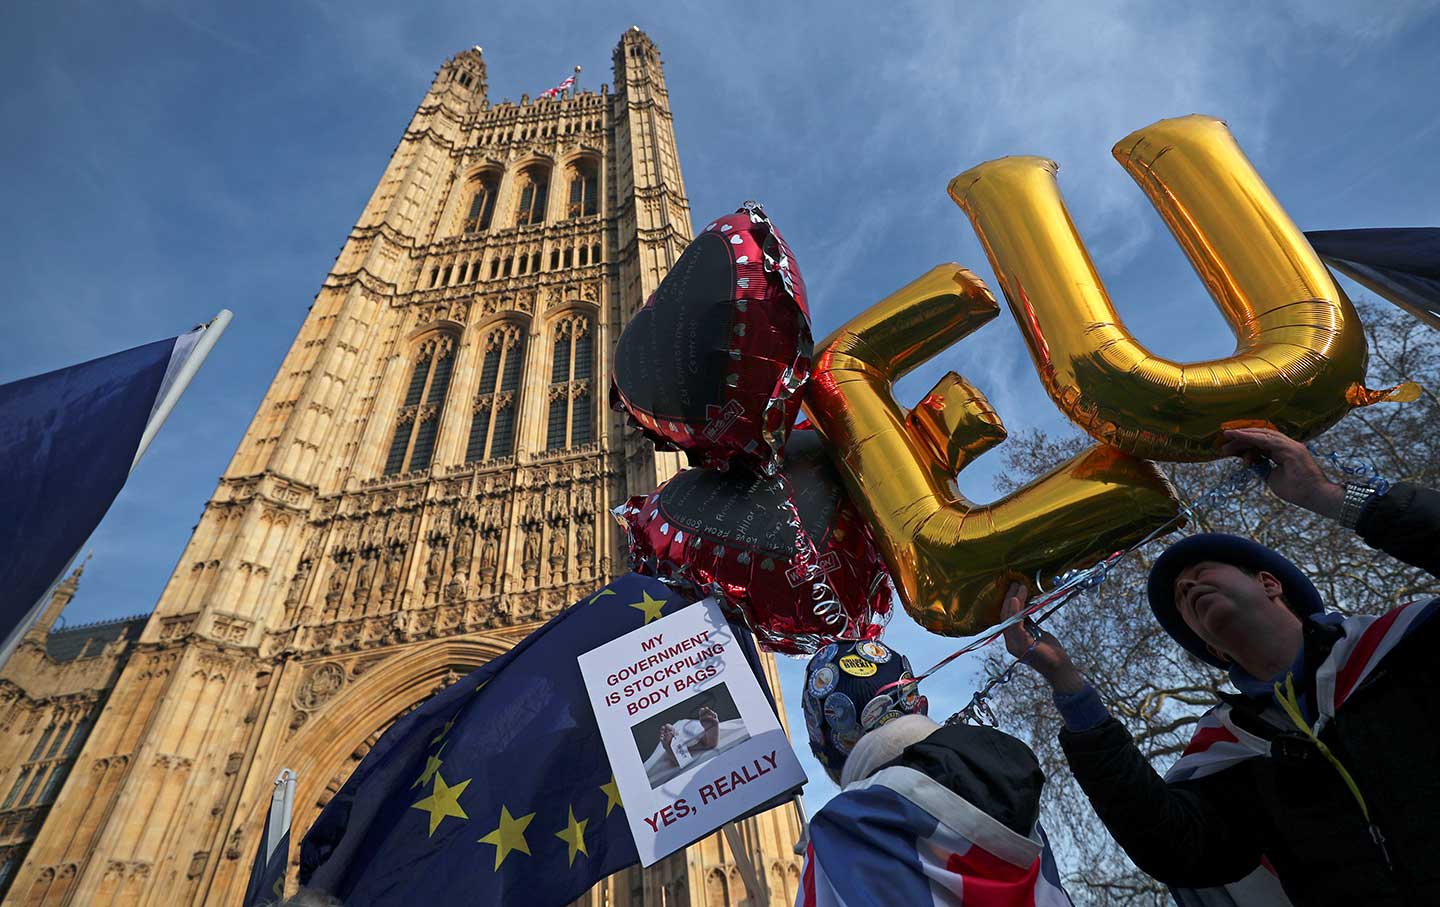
[{"x": 497, "y": 790}]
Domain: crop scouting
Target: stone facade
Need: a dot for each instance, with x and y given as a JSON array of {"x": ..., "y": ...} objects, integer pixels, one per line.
[{"x": 425, "y": 480}]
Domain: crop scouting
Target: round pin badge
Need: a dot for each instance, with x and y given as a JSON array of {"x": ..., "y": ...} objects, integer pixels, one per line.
[
  {"x": 846, "y": 742},
  {"x": 887, "y": 718},
  {"x": 909, "y": 690},
  {"x": 840, "y": 714},
  {"x": 873, "y": 651},
  {"x": 822, "y": 681},
  {"x": 856, "y": 666},
  {"x": 874, "y": 709},
  {"x": 824, "y": 655}
]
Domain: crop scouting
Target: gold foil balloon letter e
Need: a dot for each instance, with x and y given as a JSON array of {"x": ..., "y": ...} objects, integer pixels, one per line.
[{"x": 950, "y": 559}]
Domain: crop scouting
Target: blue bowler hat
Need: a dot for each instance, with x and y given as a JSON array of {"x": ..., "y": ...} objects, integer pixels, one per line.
[{"x": 1299, "y": 592}]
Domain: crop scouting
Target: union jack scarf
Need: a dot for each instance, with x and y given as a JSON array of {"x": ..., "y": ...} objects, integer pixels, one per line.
[
  {"x": 1218, "y": 744},
  {"x": 901, "y": 837}
]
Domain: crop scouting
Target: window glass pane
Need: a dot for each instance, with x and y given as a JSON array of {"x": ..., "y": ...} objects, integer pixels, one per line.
[
  {"x": 424, "y": 443},
  {"x": 527, "y": 199},
  {"x": 503, "y": 442},
  {"x": 479, "y": 426},
  {"x": 542, "y": 191},
  {"x": 555, "y": 431},
  {"x": 396, "y": 460},
  {"x": 477, "y": 204},
  {"x": 19, "y": 783},
  {"x": 417, "y": 381},
  {"x": 78, "y": 738},
  {"x": 440, "y": 382},
  {"x": 55, "y": 744},
  {"x": 577, "y": 191},
  {"x": 580, "y": 419},
  {"x": 489, "y": 211},
  {"x": 583, "y": 356},
  {"x": 560, "y": 364},
  {"x": 34, "y": 783},
  {"x": 514, "y": 357},
  {"x": 40, "y": 746},
  {"x": 489, "y": 371},
  {"x": 57, "y": 777},
  {"x": 592, "y": 194}
]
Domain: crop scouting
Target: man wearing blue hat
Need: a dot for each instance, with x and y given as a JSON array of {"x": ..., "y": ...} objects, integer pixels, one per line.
[
  {"x": 940, "y": 816},
  {"x": 1322, "y": 767}
]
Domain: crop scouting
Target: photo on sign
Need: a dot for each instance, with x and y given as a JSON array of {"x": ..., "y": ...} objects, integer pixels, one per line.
[{"x": 690, "y": 732}]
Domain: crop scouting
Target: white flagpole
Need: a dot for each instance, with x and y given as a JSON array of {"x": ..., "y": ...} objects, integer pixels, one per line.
[
  {"x": 213, "y": 329},
  {"x": 282, "y": 804}
]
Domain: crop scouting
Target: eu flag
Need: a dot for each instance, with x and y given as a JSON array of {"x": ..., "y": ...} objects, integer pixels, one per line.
[
  {"x": 497, "y": 790},
  {"x": 1402, "y": 264}
]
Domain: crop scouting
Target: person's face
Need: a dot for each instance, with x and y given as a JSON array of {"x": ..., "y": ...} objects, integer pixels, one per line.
[{"x": 1219, "y": 602}]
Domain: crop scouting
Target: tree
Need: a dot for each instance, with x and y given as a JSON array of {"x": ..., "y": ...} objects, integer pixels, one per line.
[{"x": 1153, "y": 686}]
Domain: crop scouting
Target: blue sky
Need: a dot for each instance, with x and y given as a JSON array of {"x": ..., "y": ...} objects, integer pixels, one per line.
[{"x": 165, "y": 159}]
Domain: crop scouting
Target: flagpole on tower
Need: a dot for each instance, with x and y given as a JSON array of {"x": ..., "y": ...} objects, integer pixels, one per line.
[{"x": 575, "y": 88}]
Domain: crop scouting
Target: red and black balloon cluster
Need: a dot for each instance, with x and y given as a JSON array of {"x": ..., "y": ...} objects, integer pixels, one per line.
[{"x": 715, "y": 365}]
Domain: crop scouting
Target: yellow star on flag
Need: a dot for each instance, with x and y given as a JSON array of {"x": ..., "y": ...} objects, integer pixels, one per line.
[
  {"x": 651, "y": 607},
  {"x": 599, "y": 595},
  {"x": 443, "y": 801},
  {"x": 432, "y": 763},
  {"x": 612, "y": 796},
  {"x": 510, "y": 835},
  {"x": 574, "y": 834},
  {"x": 443, "y": 731}
]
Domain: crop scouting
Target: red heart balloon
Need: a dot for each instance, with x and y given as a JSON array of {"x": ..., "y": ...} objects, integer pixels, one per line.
[
  {"x": 789, "y": 552},
  {"x": 715, "y": 361}
]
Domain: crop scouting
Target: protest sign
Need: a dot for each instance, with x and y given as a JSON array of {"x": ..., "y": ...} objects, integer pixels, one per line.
[{"x": 691, "y": 738}]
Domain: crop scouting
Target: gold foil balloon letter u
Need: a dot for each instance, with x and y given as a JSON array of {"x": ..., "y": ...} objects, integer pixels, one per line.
[
  {"x": 952, "y": 560},
  {"x": 1300, "y": 354}
]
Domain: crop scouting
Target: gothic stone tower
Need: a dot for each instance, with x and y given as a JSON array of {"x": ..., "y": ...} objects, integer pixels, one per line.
[{"x": 426, "y": 479}]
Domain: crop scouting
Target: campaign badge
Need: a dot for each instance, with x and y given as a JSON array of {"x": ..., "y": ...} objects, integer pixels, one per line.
[
  {"x": 887, "y": 718},
  {"x": 822, "y": 681},
  {"x": 824, "y": 655},
  {"x": 840, "y": 714},
  {"x": 874, "y": 709},
  {"x": 873, "y": 651},
  {"x": 856, "y": 666},
  {"x": 909, "y": 691}
]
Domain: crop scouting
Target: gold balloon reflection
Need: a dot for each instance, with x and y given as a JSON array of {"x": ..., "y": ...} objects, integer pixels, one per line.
[
  {"x": 1300, "y": 352},
  {"x": 952, "y": 560}
]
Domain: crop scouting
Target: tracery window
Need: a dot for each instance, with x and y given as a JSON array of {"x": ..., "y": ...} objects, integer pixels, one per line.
[
  {"x": 534, "y": 193},
  {"x": 419, "y": 419},
  {"x": 483, "y": 190},
  {"x": 492, "y": 427},
  {"x": 571, "y": 422},
  {"x": 584, "y": 190}
]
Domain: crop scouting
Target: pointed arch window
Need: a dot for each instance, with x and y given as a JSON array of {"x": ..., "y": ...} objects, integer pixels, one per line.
[
  {"x": 534, "y": 194},
  {"x": 418, "y": 422},
  {"x": 570, "y": 420},
  {"x": 483, "y": 190},
  {"x": 584, "y": 190},
  {"x": 492, "y": 427}
]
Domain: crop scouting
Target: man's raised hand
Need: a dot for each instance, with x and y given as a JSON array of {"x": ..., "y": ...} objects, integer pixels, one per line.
[{"x": 1046, "y": 656}]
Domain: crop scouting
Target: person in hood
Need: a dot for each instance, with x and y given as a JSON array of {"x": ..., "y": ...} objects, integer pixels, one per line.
[
  {"x": 928, "y": 814},
  {"x": 1321, "y": 767}
]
